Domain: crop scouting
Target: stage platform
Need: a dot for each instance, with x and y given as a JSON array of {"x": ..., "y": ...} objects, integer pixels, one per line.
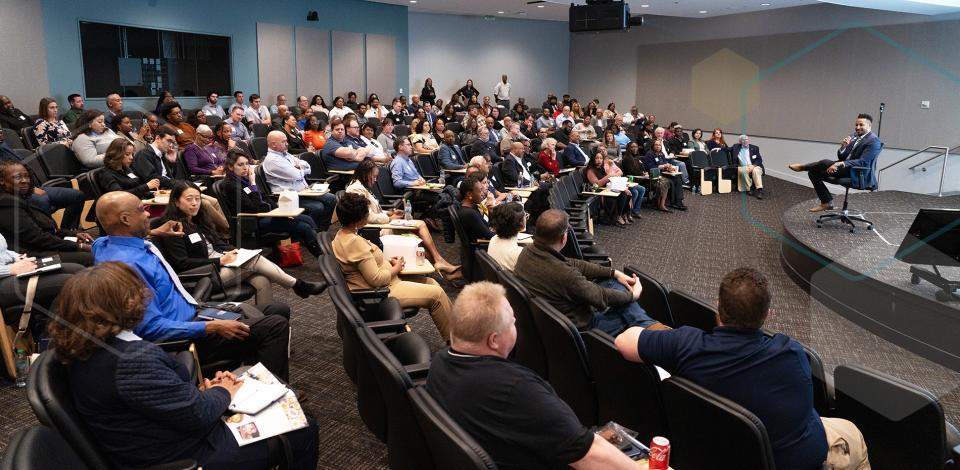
[{"x": 856, "y": 275}]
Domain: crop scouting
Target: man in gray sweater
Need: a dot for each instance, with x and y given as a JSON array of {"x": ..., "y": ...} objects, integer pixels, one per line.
[{"x": 590, "y": 295}]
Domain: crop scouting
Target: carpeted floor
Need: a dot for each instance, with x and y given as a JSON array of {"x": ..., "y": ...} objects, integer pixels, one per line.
[{"x": 718, "y": 233}]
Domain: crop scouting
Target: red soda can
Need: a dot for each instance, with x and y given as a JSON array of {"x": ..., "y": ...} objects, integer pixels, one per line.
[
  {"x": 421, "y": 255},
  {"x": 659, "y": 453}
]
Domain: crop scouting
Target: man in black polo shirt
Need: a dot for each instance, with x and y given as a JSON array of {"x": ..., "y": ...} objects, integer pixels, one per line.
[
  {"x": 768, "y": 375},
  {"x": 512, "y": 413}
]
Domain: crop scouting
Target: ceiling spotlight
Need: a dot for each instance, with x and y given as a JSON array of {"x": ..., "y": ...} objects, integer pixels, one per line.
[
  {"x": 703, "y": 11},
  {"x": 539, "y": 6},
  {"x": 644, "y": 6},
  {"x": 764, "y": 4},
  {"x": 500, "y": 12},
  {"x": 413, "y": 1}
]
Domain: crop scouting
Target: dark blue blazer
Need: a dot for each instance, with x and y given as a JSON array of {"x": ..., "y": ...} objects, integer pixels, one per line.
[
  {"x": 755, "y": 158},
  {"x": 571, "y": 157},
  {"x": 653, "y": 160},
  {"x": 485, "y": 148},
  {"x": 863, "y": 156},
  {"x": 451, "y": 158}
]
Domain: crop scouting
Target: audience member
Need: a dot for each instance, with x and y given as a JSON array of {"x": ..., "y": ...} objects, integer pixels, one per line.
[
  {"x": 355, "y": 140},
  {"x": 171, "y": 310},
  {"x": 507, "y": 221},
  {"x": 482, "y": 146},
  {"x": 749, "y": 166},
  {"x": 149, "y": 127},
  {"x": 48, "y": 128},
  {"x": 616, "y": 207},
  {"x": 200, "y": 156},
  {"x": 158, "y": 160},
  {"x": 239, "y": 130},
  {"x": 281, "y": 101},
  {"x": 655, "y": 159},
  {"x": 473, "y": 212},
  {"x": 368, "y": 135},
  {"x": 364, "y": 266},
  {"x": 659, "y": 135},
  {"x": 376, "y": 110},
  {"x": 295, "y": 141},
  {"x": 211, "y": 108},
  {"x": 243, "y": 195},
  {"x": 123, "y": 127},
  {"x": 590, "y": 295},
  {"x": 114, "y": 107},
  {"x": 317, "y": 105},
  {"x": 162, "y": 99},
  {"x": 182, "y": 131},
  {"x": 313, "y": 134},
  {"x": 237, "y": 103},
  {"x": 200, "y": 246},
  {"x": 632, "y": 162},
  {"x": 573, "y": 156},
  {"x": 117, "y": 173},
  {"x": 352, "y": 100},
  {"x": 548, "y": 156},
  {"x": 422, "y": 140},
  {"x": 51, "y": 198},
  {"x": 339, "y": 109},
  {"x": 288, "y": 172},
  {"x": 150, "y": 418},
  {"x": 11, "y": 117},
  {"x": 338, "y": 153},
  {"x": 767, "y": 374},
  {"x": 197, "y": 119},
  {"x": 92, "y": 139},
  {"x": 76, "y": 108},
  {"x": 518, "y": 170},
  {"x": 387, "y": 138},
  {"x": 397, "y": 113},
  {"x": 513, "y": 414},
  {"x": 256, "y": 113},
  {"x": 27, "y": 229},
  {"x": 364, "y": 180},
  {"x": 451, "y": 157},
  {"x": 696, "y": 142},
  {"x": 716, "y": 142}
]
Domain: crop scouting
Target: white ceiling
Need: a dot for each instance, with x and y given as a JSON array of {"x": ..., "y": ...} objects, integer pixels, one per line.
[{"x": 556, "y": 10}]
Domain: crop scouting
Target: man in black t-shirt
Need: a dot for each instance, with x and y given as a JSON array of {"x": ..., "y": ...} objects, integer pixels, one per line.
[{"x": 512, "y": 413}]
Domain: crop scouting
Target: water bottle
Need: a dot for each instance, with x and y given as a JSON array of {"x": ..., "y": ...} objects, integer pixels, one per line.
[
  {"x": 407, "y": 210},
  {"x": 22, "y": 365},
  {"x": 443, "y": 179},
  {"x": 520, "y": 179}
]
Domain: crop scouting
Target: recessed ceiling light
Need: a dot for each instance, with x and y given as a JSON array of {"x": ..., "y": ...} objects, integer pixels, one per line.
[
  {"x": 644, "y": 6},
  {"x": 539, "y": 6},
  {"x": 413, "y": 1},
  {"x": 764, "y": 4},
  {"x": 500, "y": 12},
  {"x": 703, "y": 11}
]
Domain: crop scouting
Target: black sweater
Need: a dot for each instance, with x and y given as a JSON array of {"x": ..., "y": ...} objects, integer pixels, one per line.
[
  {"x": 29, "y": 230},
  {"x": 119, "y": 180}
]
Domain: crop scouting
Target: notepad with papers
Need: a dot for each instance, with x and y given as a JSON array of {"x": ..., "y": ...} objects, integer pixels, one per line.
[
  {"x": 263, "y": 407},
  {"x": 243, "y": 255}
]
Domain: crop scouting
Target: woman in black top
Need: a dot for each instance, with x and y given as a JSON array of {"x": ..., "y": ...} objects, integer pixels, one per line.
[
  {"x": 468, "y": 91},
  {"x": 242, "y": 195},
  {"x": 449, "y": 113},
  {"x": 29, "y": 230},
  {"x": 200, "y": 246},
  {"x": 428, "y": 94},
  {"x": 473, "y": 214},
  {"x": 632, "y": 164},
  {"x": 295, "y": 143},
  {"x": 164, "y": 98},
  {"x": 116, "y": 174}
]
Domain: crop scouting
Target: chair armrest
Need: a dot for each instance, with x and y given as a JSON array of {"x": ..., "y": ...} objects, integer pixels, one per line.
[
  {"x": 364, "y": 294},
  {"x": 174, "y": 345},
  {"x": 417, "y": 371},
  {"x": 56, "y": 182},
  {"x": 202, "y": 289}
]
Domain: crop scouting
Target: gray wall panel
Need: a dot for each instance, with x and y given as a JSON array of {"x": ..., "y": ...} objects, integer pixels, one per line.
[
  {"x": 313, "y": 63},
  {"x": 348, "y": 67},
  {"x": 381, "y": 62},
  {"x": 275, "y": 61}
]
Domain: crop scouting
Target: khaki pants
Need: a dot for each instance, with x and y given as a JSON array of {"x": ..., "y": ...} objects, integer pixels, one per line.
[
  {"x": 426, "y": 293},
  {"x": 846, "y": 447},
  {"x": 211, "y": 207},
  {"x": 745, "y": 174},
  {"x": 260, "y": 273}
]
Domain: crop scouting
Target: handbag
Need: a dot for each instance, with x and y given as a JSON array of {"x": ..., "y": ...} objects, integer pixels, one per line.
[
  {"x": 22, "y": 337},
  {"x": 288, "y": 254}
]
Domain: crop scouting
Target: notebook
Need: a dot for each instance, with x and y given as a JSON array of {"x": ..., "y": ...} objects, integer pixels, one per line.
[{"x": 44, "y": 264}]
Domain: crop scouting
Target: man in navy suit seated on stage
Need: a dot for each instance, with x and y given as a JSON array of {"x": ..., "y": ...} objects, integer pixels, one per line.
[
  {"x": 573, "y": 155},
  {"x": 857, "y": 150}
]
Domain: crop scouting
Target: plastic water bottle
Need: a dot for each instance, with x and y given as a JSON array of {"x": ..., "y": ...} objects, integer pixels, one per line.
[
  {"x": 443, "y": 179},
  {"x": 407, "y": 210},
  {"x": 22, "y": 365}
]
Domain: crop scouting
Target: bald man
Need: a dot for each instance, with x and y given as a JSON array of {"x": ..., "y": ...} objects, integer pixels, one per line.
[
  {"x": 512, "y": 413},
  {"x": 288, "y": 172},
  {"x": 262, "y": 336},
  {"x": 517, "y": 171}
]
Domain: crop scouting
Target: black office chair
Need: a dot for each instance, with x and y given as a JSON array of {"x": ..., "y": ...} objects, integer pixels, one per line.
[
  {"x": 627, "y": 392},
  {"x": 403, "y": 130},
  {"x": 653, "y": 298},
  {"x": 593, "y": 254},
  {"x": 450, "y": 446},
  {"x": 688, "y": 310},
  {"x": 13, "y": 140},
  {"x": 698, "y": 165},
  {"x": 244, "y": 230},
  {"x": 29, "y": 138},
  {"x": 566, "y": 360},
  {"x": 406, "y": 446},
  {"x": 529, "y": 350},
  {"x": 427, "y": 165},
  {"x": 845, "y": 215},
  {"x": 489, "y": 267},
  {"x": 60, "y": 161},
  {"x": 705, "y": 426},
  {"x": 258, "y": 145},
  {"x": 903, "y": 424},
  {"x": 468, "y": 247}
]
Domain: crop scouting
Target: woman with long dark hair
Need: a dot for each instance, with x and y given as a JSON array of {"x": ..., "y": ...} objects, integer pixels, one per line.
[
  {"x": 201, "y": 246},
  {"x": 164, "y": 98},
  {"x": 117, "y": 175},
  {"x": 616, "y": 207},
  {"x": 427, "y": 93},
  {"x": 49, "y": 128}
]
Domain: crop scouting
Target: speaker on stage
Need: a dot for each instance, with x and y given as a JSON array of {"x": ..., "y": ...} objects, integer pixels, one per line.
[{"x": 933, "y": 239}]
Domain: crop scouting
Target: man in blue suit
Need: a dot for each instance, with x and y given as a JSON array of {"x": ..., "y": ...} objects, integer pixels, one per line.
[
  {"x": 856, "y": 151},
  {"x": 749, "y": 167},
  {"x": 451, "y": 157},
  {"x": 573, "y": 155}
]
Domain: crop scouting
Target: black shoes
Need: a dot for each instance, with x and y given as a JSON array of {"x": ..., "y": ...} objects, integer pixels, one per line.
[
  {"x": 307, "y": 288},
  {"x": 759, "y": 194}
]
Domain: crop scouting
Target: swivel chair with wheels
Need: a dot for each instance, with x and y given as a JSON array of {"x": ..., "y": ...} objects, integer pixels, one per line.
[{"x": 866, "y": 181}]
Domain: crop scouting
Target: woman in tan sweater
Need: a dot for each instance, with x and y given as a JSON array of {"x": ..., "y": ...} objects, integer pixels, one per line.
[{"x": 364, "y": 266}]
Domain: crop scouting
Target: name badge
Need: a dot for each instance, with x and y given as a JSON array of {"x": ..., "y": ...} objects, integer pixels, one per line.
[
  {"x": 247, "y": 190},
  {"x": 179, "y": 131},
  {"x": 131, "y": 176},
  {"x": 22, "y": 118},
  {"x": 753, "y": 157},
  {"x": 194, "y": 238}
]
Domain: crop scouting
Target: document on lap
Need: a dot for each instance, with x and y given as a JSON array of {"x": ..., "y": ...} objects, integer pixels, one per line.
[{"x": 280, "y": 411}]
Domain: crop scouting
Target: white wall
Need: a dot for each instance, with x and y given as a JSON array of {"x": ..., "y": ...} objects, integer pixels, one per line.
[
  {"x": 23, "y": 76},
  {"x": 452, "y": 48}
]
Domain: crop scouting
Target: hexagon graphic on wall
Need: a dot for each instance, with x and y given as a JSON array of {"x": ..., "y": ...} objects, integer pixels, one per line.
[{"x": 725, "y": 86}]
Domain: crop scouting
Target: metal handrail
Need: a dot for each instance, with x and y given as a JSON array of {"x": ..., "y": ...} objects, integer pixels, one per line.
[
  {"x": 932, "y": 158},
  {"x": 913, "y": 155},
  {"x": 943, "y": 169}
]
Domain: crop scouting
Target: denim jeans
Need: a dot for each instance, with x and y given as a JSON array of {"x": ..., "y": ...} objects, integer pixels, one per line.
[
  {"x": 320, "y": 209},
  {"x": 637, "y": 192},
  {"x": 58, "y": 198},
  {"x": 614, "y": 319}
]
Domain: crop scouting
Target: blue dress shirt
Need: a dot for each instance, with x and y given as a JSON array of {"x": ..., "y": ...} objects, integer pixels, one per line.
[
  {"x": 403, "y": 171},
  {"x": 169, "y": 315}
]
